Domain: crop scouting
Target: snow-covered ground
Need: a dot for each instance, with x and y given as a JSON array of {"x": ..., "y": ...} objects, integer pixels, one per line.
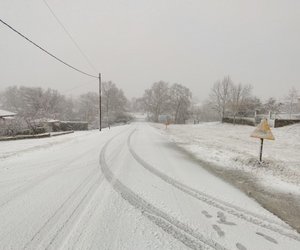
[
  {"x": 124, "y": 188},
  {"x": 15, "y": 148},
  {"x": 231, "y": 146}
]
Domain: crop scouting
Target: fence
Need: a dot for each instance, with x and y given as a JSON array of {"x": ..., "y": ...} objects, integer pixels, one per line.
[{"x": 275, "y": 120}]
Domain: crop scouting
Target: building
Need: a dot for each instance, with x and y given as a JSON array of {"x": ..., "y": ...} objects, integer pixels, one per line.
[
  {"x": 6, "y": 115},
  {"x": 6, "y": 121}
]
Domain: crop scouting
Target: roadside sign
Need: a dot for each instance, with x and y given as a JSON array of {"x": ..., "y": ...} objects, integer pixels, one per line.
[
  {"x": 167, "y": 123},
  {"x": 263, "y": 131}
]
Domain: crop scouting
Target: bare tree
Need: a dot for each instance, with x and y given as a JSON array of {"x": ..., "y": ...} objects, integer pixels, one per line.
[
  {"x": 220, "y": 96},
  {"x": 88, "y": 108},
  {"x": 156, "y": 99},
  {"x": 114, "y": 102},
  {"x": 34, "y": 102},
  {"x": 238, "y": 98},
  {"x": 11, "y": 100},
  {"x": 34, "y": 105},
  {"x": 203, "y": 113},
  {"x": 108, "y": 89},
  {"x": 252, "y": 104},
  {"x": 136, "y": 105},
  {"x": 292, "y": 100},
  {"x": 180, "y": 100},
  {"x": 271, "y": 106}
]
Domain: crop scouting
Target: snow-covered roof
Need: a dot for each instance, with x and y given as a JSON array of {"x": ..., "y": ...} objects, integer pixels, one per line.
[{"x": 5, "y": 113}]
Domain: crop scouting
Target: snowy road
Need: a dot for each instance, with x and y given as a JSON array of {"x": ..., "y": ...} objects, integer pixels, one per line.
[{"x": 124, "y": 188}]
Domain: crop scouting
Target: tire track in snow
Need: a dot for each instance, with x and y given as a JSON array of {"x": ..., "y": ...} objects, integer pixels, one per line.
[
  {"x": 54, "y": 231},
  {"x": 212, "y": 201},
  {"x": 169, "y": 224},
  {"x": 20, "y": 190},
  {"x": 85, "y": 219},
  {"x": 52, "y": 227}
]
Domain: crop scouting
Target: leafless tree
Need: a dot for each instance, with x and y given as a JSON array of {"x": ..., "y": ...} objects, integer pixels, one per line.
[
  {"x": 292, "y": 100},
  {"x": 203, "y": 113},
  {"x": 180, "y": 100},
  {"x": 239, "y": 96},
  {"x": 88, "y": 108},
  {"x": 156, "y": 99},
  {"x": 32, "y": 104},
  {"x": 11, "y": 99},
  {"x": 220, "y": 96},
  {"x": 271, "y": 105},
  {"x": 114, "y": 102},
  {"x": 136, "y": 105},
  {"x": 35, "y": 104}
]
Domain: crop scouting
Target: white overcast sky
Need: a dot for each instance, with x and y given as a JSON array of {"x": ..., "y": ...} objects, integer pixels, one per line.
[{"x": 137, "y": 42}]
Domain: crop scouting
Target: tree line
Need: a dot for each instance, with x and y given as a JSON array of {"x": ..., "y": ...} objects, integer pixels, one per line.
[
  {"x": 33, "y": 104},
  {"x": 226, "y": 99},
  {"x": 165, "y": 101},
  {"x": 231, "y": 100},
  {"x": 162, "y": 102}
]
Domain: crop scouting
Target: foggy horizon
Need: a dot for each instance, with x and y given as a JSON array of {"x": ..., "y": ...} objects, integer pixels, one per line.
[{"x": 137, "y": 43}]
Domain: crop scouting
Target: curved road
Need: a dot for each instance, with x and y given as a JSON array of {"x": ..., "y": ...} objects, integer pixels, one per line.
[{"x": 124, "y": 188}]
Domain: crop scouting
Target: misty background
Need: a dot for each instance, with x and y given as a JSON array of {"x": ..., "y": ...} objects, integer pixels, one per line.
[{"x": 135, "y": 43}]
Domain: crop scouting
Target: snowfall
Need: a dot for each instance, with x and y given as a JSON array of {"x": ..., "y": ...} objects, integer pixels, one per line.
[{"x": 132, "y": 187}]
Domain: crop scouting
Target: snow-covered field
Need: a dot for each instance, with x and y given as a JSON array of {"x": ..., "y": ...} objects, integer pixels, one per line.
[
  {"x": 231, "y": 146},
  {"x": 124, "y": 188}
]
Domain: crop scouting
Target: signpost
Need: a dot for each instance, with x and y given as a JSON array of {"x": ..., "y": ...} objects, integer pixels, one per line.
[
  {"x": 262, "y": 132},
  {"x": 167, "y": 123},
  {"x": 165, "y": 119}
]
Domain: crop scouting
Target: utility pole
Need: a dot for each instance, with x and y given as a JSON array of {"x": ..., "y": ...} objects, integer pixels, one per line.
[
  {"x": 100, "y": 124},
  {"x": 261, "y": 149}
]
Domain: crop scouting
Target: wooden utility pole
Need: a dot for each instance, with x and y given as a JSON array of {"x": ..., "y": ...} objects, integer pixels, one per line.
[
  {"x": 261, "y": 149},
  {"x": 100, "y": 94}
]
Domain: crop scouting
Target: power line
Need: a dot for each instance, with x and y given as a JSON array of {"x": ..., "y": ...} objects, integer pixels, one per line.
[
  {"x": 44, "y": 50},
  {"x": 70, "y": 36}
]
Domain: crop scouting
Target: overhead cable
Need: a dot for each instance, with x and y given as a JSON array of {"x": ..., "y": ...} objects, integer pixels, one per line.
[
  {"x": 47, "y": 52},
  {"x": 70, "y": 36}
]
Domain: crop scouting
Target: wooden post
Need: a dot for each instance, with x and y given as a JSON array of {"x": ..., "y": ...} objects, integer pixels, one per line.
[{"x": 261, "y": 149}]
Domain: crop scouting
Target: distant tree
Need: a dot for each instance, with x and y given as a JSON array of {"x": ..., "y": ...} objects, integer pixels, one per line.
[
  {"x": 108, "y": 90},
  {"x": 36, "y": 104},
  {"x": 32, "y": 104},
  {"x": 156, "y": 100},
  {"x": 88, "y": 108},
  {"x": 252, "y": 104},
  {"x": 220, "y": 96},
  {"x": 114, "y": 102},
  {"x": 204, "y": 113},
  {"x": 69, "y": 113},
  {"x": 180, "y": 102},
  {"x": 54, "y": 104},
  {"x": 271, "y": 105},
  {"x": 238, "y": 98},
  {"x": 11, "y": 99},
  {"x": 136, "y": 105},
  {"x": 292, "y": 99}
]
